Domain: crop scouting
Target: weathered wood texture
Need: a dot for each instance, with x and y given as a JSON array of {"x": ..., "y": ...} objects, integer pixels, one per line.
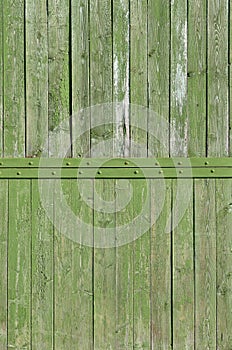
[
  {"x": 164, "y": 290},
  {"x": 59, "y": 57}
]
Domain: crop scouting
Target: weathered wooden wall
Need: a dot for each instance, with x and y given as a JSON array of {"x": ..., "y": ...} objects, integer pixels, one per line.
[
  {"x": 161, "y": 291},
  {"x": 171, "y": 56}
]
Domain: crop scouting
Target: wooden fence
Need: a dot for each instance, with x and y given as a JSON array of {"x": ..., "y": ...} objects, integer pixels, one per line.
[{"x": 161, "y": 291}]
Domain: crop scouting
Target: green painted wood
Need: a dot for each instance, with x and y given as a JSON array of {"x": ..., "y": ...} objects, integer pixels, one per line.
[
  {"x": 104, "y": 268},
  {"x": 121, "y": 64},
  {"x": 124, "y": 273},
  {"x": 19, "y": 265},
  {"x": 36, "y": 46},
  {"x": 80, "y": 77},
  {"x": 197, "y": 60},
  {"x": 158, "y": 65},
  {"x": 1, "y": 80},
  {"x": 141, "y": 271},
  {"x": 59, "y": 76},
  {"x": 178, "y": 76},
  {"x": 218, "y": 119},
  {"x": 161, "y": 306},
  {"x": 230, "y": 73},
  {"x": 3, "y": 261},
  {"x": 138, "y": 75},
  {"x": 42, "y": 272},
  {"x": 224, "y": 262},
  {"x": 205, "y": 264},
  {"x": 73, "y": 293},
  {"x": 183, "y": 272},
  {"x": 14, "y": 77}
]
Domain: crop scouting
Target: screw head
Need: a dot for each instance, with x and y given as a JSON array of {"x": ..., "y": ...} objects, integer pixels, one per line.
[
  {"x": 80, "y": 172},
  {"x": 212, "y": 171},
  {"x": 156, "y": 163},
  {"x": 1, "y": 163},
  {"x": 181, "y": 171},
  {"x": 30, "y": 163},
  {"x": 161, "y": 172},
  {"x": 79, "y": 155},
  {"x": 68, "y": 163},
  {"x": 53, "y": 173},
  {"x": 99, "y": 172},
  {"x": 19, "y": 173},
  {"x": 126, "y": 163},
  {"x": 179, "y": 163},
  {"x": 206, "y": 163},
  {"x": 136, "y": 172}
]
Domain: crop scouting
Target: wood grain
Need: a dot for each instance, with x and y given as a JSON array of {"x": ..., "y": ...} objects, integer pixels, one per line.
[
  {"x": 36, "y": 46},
  {"x": 3, "y": 259},
  {"x": 205, "y": 264},
  {"x": 19, "y": 265}
]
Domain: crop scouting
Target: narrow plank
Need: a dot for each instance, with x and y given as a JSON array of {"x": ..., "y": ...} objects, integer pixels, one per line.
[
  {"x": 158, "y": 51},
  {"x": 80, "y": 77},
  {"x": 205, "y": 264},
  {"x": 104, "y": 267},
  {"x": 230, "y": 72},
  {"x": 121, "y": 65},
  {"x": 138, "y": 77},
  {"x": 1, "y": 80},
  {"x": 3, "y": 261},
  {"x": 183, "y": 273},
  {"x": 124, "y": 254},
  {"x": 101, "y": 71},
  {"x": 197, "y": 60},
  {"x": 224, "y": 263},
  {"x": 178, "y": 75},
  {"x": 36, "y": 60},
  {"x": 141, "y": 269},
  {"x": 73, "y": 317},
  {"x": 42, "y": 271},
  {"x": 161, "y": 336},
  {"x": 14, "y": 79},
  {"x": 218, "y": 119},
  {"x": 19, "y": 265},
  {"x": 58, "y": 75}
]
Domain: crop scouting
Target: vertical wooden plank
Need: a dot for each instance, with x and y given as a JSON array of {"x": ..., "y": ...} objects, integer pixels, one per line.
[
  {"x": 100, "y": 51},
  {"x": 101, "y": 92},
  {"x": 1, "y": 79},
  {"x": 224, "y": 263},
  {"x": 104, "y": 269},
  {"x": 19, "y": 265},
  {"x": 58, "y": 75},
  {"x": 80, "y": 76},
  {"x": 205, "y": 264},
  {"x": 42, "y": 272},
  {"x": 218, "y": 119},
  {"x": 14, "y": 79},
  {"x": 73, "y": 274},
  {"x": 141, "y": 272},
  {"x": 3, "y": 261},
  {"x": 178, "y": 75},
  {"x": 161, "y": 336},
  {"x": 138, "y": 96},
  {"x": 124, "y": 273},
  {"x": 138, "y": 74},
  {"x": 124, "y": 254},
  {"x": 183, "y": 274},
  {"x": 121, "y": 65},
  {"x": 197, "y": 60},
  {"x": 36, "y": 61},
  {"x": 158, "y": 51}
]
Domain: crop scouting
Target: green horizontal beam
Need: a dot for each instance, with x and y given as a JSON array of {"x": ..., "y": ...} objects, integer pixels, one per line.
[
  {"x": 115, "y": 173},
  {"x": 114, "y": 163}
]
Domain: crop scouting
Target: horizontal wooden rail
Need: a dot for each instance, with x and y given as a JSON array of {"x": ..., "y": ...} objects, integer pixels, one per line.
[{"x": 116, "y": 168}]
